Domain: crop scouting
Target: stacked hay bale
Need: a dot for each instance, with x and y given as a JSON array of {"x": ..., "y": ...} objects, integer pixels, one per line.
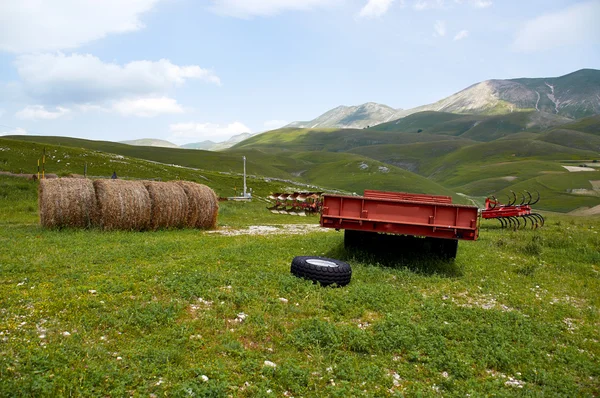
[
  {"x": 203, "y": 205},
  {"x": 169, "y": 205},
  {"x": 123, "y": 204},
  {"x": 126, "y": 205},
  {"x": 65, "y": 202}
]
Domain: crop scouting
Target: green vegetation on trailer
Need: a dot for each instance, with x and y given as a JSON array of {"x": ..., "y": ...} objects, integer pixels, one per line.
[{"x": 179, "y": 313}]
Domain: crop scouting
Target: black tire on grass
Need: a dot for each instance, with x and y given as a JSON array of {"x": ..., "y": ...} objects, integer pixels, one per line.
[{"x": 325, "y": 271}]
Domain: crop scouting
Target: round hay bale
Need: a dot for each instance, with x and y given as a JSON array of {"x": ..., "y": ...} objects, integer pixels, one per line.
[
  {"x": 122, "y": 204},
  {"x": 169, "y": 204},
  {"x": 203, "y": 205},
  {"x": 66, "y": 202}
]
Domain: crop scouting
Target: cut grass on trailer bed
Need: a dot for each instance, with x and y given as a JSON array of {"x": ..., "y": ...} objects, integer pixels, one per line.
[{"x": 184, "y": 313}]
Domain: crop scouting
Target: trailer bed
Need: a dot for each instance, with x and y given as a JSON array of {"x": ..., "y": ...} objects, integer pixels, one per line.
[{"x": 401, "y": 213}]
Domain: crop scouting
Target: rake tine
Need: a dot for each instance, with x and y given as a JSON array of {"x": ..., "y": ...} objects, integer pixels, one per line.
[
  {"x": 514, "y": 200},
  {"x": 538, "y": 198},
  {"x": 518, "y": 223},
  {"x": 522, "y": 200},
  {"x": 542, "y": 219},
  {"x": 501, "y": 222},
  {"x": 495, "y": 202},
  {"x": 538, "y": 221},
  {"x": 524, "y": 221},
  {"x": 530, "y": 198},
  {"x": 533, "y": 221},
  {"x": 510, "y": 223}
]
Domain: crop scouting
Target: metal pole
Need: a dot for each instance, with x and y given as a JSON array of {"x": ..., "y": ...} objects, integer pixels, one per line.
[
  {"x": 38, "y": 169},
  {"x": 244, "y": 176},
  {"x": 44, "y": 164}
]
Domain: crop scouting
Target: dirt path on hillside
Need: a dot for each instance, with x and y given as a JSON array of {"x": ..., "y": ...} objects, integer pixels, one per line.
[{"x": 586, "y": 211}]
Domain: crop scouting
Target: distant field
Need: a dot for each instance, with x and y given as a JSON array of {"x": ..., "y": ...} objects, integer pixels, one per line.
[{"x": 192, "y": 313}]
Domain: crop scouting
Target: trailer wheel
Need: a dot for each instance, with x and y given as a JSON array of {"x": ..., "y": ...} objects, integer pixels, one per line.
[{"x": 325, "y": 271}]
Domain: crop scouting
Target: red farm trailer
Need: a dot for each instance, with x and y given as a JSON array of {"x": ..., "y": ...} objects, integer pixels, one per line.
[{"x": 432, "y": 217}]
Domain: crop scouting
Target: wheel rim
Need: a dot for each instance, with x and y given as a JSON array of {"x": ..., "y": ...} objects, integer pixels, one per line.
[{"x": 322, "y": 263}]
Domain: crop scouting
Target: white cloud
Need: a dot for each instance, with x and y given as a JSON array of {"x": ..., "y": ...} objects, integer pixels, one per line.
[
  {"x": 182, "y": 133},
  {"x": 439, "y": 28},
  {"x": 574, "y": 25},
  {"x": 17, "y": 131},
  {"x": 147, "y": 107},
  {"x": 461, "y": 35},
  {"x": 34, "y": 25},
  {"x": 40, "y": 112},
  {"x": 421, "y": 5},
  {"x": 262, "y": 8},
  {"x": 428, "y": 4},
  {"x": 476, "y": 3},
  {"x": 84, "y": 78},
  {"x": 375, "y": 8},
  {"x": 274, "y": 124}
]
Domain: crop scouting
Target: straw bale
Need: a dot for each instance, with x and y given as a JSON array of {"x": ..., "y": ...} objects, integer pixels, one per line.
[
  {"x": 66, "y": 202},
  {"x": 169, "y": 204},
  {"x": 203, "y": 205},
  {"x": 123, "y": 204}
]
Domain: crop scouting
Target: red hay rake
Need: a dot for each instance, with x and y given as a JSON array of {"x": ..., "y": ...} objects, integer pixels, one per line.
[
  {"x": 513, "y": 215},
  {"x": 297, "y": 203}
]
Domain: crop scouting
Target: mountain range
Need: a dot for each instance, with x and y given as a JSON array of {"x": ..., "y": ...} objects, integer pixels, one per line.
[
  {"x": 206, "y": 145},
  {"x": 572, "y": 96}
]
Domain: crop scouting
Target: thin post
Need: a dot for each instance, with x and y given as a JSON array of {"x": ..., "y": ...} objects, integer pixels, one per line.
[
  {"x": 244, "y": 176},
  {"x": 38, "y": 169},
  {"x": 44, "y": 164}
]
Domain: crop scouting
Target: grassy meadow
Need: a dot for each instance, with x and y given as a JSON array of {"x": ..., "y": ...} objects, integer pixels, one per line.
[{"x": 217, "y": 313}]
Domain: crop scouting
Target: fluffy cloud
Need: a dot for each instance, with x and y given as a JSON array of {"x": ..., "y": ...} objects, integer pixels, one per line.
[
  {"x": 191, "y": 132},
  {"x": 375, "y": 8},
  {"x": 34, "y": 25},
  {"x": 251, "y": 8},
  {"x": 463, "y": 34},
  {"x": 274, "y": 124},
  {"x": 574, "y": 25},
  {"x": 428, "y": 4},
  {"x": 439, "y": 28},
  {"x": 476, "y": 3},
  {"x": 40, "y": 112},
  {"x": 438, "y": 4},
  {"x": 17, "y": 131},
  {"x": 84, "y": 78},
  {"x": 147, "y": 107}
]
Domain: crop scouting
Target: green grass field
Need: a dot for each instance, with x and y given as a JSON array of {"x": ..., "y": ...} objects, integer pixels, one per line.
[{"x": 193, "y": 313}]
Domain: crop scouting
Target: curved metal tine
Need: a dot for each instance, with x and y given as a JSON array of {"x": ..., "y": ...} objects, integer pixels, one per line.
[
  {"x": 538, "y": 198},
  {"x": 534, "y": 221},
  {"x": 542, "y": 219},
  {"x": 501, "y": 219},
  {"x": 518, "y": 223},
  {"x": 522, "y": 200},
  {"x": 493, "y": 203},
  {"x": 514, "y": 200},
  {"x": 530, "y": 198},
  {"x": 539, "y": 219},
  {"x": 510, "y": 223},
  {"x": 524, "y": 221}
]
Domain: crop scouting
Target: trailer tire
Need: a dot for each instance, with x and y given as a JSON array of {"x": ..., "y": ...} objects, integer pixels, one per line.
[{"x": 326, "y": 271}]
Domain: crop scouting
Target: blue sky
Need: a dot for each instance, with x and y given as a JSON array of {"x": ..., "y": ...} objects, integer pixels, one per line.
[{"x": 187, "y": 71}]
